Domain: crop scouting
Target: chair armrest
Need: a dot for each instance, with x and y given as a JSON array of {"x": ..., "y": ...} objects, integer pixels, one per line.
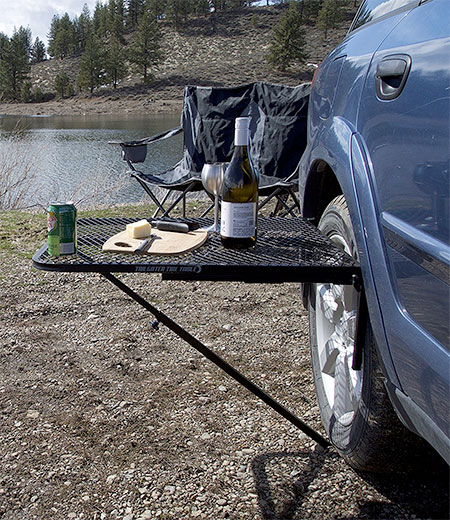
[
  {"x": 136, "y": 151},
  {"x": 153, "y": 138}
]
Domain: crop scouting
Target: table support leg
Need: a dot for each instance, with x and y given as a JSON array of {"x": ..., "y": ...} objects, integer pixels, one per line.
[{"x": 218, "y": 361}]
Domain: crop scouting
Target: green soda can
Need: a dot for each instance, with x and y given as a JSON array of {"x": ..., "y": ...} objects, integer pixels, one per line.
[{"x": 62, "y": 228}]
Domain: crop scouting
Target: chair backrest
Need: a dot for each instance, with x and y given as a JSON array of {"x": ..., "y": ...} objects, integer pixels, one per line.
[
  {"x": 208, "y": 123},
  {"x": 277, "y": 128}
]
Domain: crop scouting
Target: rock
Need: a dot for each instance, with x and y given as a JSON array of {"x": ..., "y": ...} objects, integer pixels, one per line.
[
  {"x": 146, "y": 515},
  {"x": 110, "y": 478}
]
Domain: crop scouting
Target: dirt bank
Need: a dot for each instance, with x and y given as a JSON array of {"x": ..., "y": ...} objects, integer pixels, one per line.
[
  {"x": 161, "y": 98},
  {"x": 232, "y": 54},
  {"x": 100, "y": 105}
]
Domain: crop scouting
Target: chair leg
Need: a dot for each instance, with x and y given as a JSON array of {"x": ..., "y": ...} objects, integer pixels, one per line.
[
  {"x": 161, "y": 205},
  {"x": 282, "y": 195},
  {"x": 268, "y": 199},
  {"x": 296, "y": 204},
  {"x": 150, "y": 194},
  {"x": 181, "y": 197},
  {"x": 207, "y": 211},
  {"x": 281, "y": 203}
]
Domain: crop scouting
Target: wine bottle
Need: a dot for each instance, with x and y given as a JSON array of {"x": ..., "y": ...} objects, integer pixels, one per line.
[{"x": 239, "y": 194}]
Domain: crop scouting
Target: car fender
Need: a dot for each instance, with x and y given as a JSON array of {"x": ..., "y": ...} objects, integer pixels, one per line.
[{"x": 339, "y": 147}]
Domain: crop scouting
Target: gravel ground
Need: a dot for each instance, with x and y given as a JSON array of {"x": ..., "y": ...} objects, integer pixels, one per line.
[{"x": 103, "y": 417}]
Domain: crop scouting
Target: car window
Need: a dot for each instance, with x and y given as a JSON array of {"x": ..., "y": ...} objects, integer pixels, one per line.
[{"x": 371, "y": 10}]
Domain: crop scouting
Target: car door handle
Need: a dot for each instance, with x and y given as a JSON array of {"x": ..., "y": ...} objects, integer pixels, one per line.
[{"x": 391, "y": 75}]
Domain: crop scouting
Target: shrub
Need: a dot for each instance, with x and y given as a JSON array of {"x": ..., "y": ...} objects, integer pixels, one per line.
[{"x": 17, "y": 171}]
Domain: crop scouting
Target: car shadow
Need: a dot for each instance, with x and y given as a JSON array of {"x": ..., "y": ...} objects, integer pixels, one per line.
[{"x": 421, "y": 492}]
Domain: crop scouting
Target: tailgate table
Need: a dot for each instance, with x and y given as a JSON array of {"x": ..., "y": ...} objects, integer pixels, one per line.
[{"x": 287, "y": 250}]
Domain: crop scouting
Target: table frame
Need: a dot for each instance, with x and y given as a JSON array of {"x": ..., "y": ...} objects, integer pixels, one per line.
[{"x": 287, "y": 250}]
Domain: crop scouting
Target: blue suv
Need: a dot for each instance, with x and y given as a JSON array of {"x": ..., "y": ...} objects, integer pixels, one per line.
[{"x": 375, "y": 179}]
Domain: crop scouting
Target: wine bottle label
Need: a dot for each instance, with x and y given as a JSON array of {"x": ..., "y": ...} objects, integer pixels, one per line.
[{"x": 238, "y": 219}]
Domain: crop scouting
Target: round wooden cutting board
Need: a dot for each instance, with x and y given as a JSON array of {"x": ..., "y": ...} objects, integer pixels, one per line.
[{"x": 166, "y": 242}]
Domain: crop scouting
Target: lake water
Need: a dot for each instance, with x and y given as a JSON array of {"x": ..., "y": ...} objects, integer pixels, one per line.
[{"x": 72, "y": 160}]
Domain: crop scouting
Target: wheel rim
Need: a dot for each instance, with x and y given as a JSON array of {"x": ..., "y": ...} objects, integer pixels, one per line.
[{"x": 335, "y": 322}]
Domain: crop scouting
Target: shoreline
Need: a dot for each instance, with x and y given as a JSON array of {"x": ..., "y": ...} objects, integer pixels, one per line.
[{"x": 95, "y": 105}]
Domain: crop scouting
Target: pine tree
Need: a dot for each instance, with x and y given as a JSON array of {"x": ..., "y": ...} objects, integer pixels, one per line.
[
  {"x": 61, "y": 38},
  {"x": 62, "y": 84},
  {"x": 24, "y": 35},
  {"x": 157, "y": 8},
  {"x": 101, "y": 19},
  {"x": 116, "y": 20},
  {"x": 4, "y": 42},
  {"x": 145, "y": 50},
  {"x": 178, "y": 12},
  {"x": 91, "y": 65},
  {"x": 288, "y": 43},
  {"x": 25, "y": 92},
  {"x": 200, "y": 7},
  {"x": 311, "y": 9},
  {"x": 120, "y": 21},
  {"x": 115, "y": 65},
  {"x": 14, "y": 66},
  {"x": 135, "y": 10},
  {"x": 82, "y": 27},
  {"x": 54, "y": 24},
  {"x": 37, "y": 51},
  {"x": 329, "y": 16}
]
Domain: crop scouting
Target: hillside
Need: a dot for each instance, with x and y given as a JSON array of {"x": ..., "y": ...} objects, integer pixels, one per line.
[{"x": 234, "y": 53}]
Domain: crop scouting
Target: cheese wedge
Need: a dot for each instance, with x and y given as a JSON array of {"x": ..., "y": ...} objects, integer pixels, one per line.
[{"x": 140, "y": 229}]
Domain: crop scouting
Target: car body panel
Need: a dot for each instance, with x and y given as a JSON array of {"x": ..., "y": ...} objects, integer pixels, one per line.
[
  {"x": 407, "y": 138},
  {"x": 390, "y": 156}
]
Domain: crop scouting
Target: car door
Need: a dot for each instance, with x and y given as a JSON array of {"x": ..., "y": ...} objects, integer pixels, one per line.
[{"x": 404, "y": 123}]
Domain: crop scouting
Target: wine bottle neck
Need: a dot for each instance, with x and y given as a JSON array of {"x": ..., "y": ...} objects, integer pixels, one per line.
[
  {"x": 241, "y": 138},
  {"x": 241, "y": 132}
]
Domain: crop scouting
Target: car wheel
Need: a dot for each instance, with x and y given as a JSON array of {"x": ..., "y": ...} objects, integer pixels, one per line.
[{"x": 354, "y": 406}]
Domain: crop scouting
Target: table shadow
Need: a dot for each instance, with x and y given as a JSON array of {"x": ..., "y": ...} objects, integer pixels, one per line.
[{"x": 421, "y": 492}]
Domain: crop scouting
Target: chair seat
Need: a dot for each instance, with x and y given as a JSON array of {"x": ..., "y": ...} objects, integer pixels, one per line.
[
  {"x": 268, "y": 184},
  {"x": 171, "y": 182}
]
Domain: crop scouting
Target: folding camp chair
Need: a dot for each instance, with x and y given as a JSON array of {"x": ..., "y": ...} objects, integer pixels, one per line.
[
  {"x": 207, "y": 121},
  {"x": 277, "y": 140}
]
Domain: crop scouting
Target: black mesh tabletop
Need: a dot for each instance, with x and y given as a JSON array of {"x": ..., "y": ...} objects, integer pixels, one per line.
[{"x": 287, "y": 250}]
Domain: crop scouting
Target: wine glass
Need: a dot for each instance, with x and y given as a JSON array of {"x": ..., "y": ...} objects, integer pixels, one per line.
[{"x": 212, "y": 177}]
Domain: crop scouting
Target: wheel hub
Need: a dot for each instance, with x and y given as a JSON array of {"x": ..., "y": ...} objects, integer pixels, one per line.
[{"x": 336, "y": 315}]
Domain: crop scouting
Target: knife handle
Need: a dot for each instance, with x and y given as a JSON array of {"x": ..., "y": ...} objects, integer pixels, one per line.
[
  {"x": 165, "y": 225},
  {"x": 145, "y": 245}
]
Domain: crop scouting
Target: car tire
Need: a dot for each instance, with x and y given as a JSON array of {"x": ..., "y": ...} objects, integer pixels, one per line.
[{"x": 354, "y": 407}]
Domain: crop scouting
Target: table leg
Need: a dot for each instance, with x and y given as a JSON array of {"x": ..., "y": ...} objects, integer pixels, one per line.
[{"x": 218, "y": 361}]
